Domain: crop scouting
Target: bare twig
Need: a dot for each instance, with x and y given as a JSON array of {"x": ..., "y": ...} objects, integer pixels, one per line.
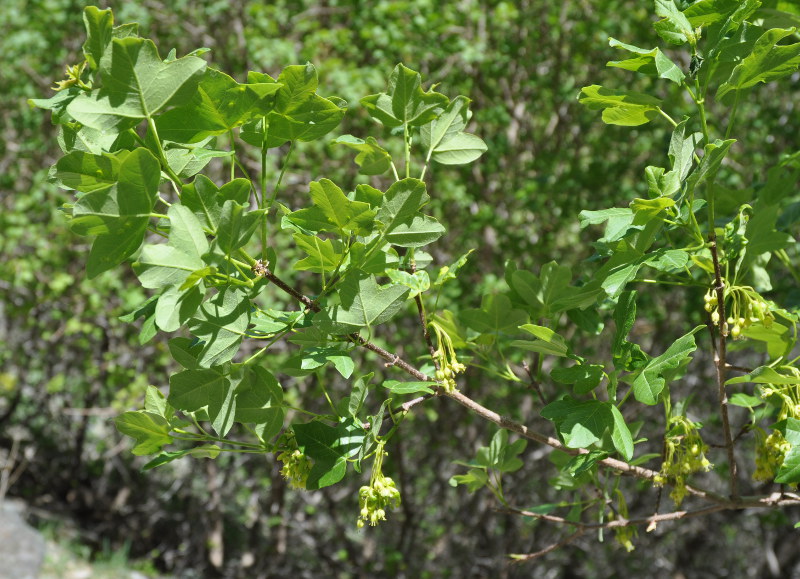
[
  {"x": 720, "y": 364},
  {"x": 531, "y": 556},
  {"x": 533, "y": 381},
  {"x": 261, "y": 269},
  {"x": 522, "y": 430}
]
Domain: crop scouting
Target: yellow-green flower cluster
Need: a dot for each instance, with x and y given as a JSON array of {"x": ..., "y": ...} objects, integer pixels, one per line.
[
  {"x": 373, "y": 500},
  {"x": 744, "y": 307},
  {"x": 685, "y": 454},
  {"x": 770, "y": 453},
  {"x": 381, "y": 494},
  {"x": 789, "y": 394},
  {"x": 445, "y": 358},
  {"x": 296, "y": 465},
  {"x": 623, "y": 534}
]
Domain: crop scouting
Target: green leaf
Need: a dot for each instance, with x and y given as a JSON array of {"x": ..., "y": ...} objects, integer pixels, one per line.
[
  {"x": 372, "y": 158},
  {"x": 259, "y": 400},
  {"x": 475, "y": 479},
  {"x": 219, "y": 105},
  {"x": 620, "y": 107},
  {"x": 86, "y": 172},
  {"x": 448, "y": 272},
  {"x": 191, "y": 390},
  {"x": 401, "y": 203},
  {"x": 644, "y": 210},
  {"x": 404, "y": 102},
  {"x": 150, "y": 431},
  {"x": 668, "y": 259},
  {"x": 585, "y": 377},
  {"x": 583, "y": 463},
  {"x": 119, "y": 215},
  {"x": 222, "y": 324},
  {"x": 620, "y": 269},
  {"x": 409, "y": 387},
  {"x": 764, "y": 375},
  {"x": 417, "y": 282},
  {"x": 185, "y": 352},
  {"x": 419, "y": 231},
  {"x": 175, "y": 307},
  {"x": 298, "y": 114},
  {"x": 495, "y": 315},
  {"x": 712, "y": 159},
  {"x": 647, "y": 387},
  {"x": 547, "y": 342},
  {"x": 624, "y": 317},
  {"x": 708, "y": 12},
  {"x": 203, "y": 197},
  {"x": 745, "y": 400},
  {"x": 347, "y": 216},
  {"x": 789, "y": 473},
  {"x": 156, "y": 403},
  {"x": 329, "y": 447},
  {"x": 682, "y": 150},
  {"x": 99, "y": 25},
  {"x": 236, "y": 226},
  {"x": 312, "y": 358},
  {"x": 762, "y": 235},
  {"x": 621, "y": 434},
  {"x": 334, "y": 212},
  {"x": 363, "y": 304},
  {"x": 445, "y": 140},
  {"x": 204, "y": 451},
  {"x": 222, "y": 407},
  {"x": 583, "y": 423},
  {"x": 651, "y": 62},
  {"x": 171, "y": 264},
  {"x": 502, "y": 456},
  {"x": 358, "y": 395},
  {"x": 768, "y": 61},
  {"x": 674, "y": 26},
  {"x": 136, "y": 84},
  {"x": 619, "y": 221},
  {"x": 324, "y": 255}
]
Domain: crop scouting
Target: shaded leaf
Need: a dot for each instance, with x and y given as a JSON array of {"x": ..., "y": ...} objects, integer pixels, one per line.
[
  {"x": 150, "y": 431},
  {"x": 647, "y": 387}
]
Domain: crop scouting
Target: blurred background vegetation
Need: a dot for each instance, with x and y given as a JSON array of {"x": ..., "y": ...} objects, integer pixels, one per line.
[{"x": 68, "y": 364}]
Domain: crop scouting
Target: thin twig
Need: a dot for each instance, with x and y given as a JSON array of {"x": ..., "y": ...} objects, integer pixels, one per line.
[
  {"x": 502, "y": 421},
  {"x": 261, "y": 269},
  {"x": 720, "y": 364},
  {"x": 424, "y": 323},
  {"x": 555, "y": 546},
  {"x": 534, "y": 382},
  {"x": 522, "y": 430}
]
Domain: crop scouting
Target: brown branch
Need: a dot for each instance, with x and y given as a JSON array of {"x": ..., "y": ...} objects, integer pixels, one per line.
[
  {"x": 531, "y": 556},
  {"x": 501, "y": 421},
  {"x": 393, "y": 358},
  {"x": 522, "y": 430},
  {"x": 534, "y": 382},
  {"x": 261, "y": 269},
  {"x": 720, "y": 364},
  {"x": 425, "y": 333},
  {"x": 424, "y": 323},
  {"x": 767, "y": 501}
]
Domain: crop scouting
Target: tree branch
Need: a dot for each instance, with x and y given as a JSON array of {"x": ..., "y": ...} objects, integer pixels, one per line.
[
  {"x": 555, "y": 546},
  {"x": 720, "y": 364}
]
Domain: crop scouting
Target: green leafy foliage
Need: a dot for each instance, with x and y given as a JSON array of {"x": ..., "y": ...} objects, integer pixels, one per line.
[{"x": 242, "y": 274}]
